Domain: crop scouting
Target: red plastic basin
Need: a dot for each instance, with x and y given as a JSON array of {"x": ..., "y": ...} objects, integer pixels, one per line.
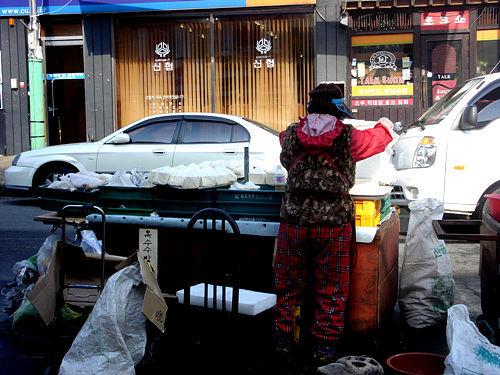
[
  {"x": 494, "y": 201},
  {"x": 417, "y": 363}
]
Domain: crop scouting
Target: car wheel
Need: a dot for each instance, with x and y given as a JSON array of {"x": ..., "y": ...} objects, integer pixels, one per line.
[
  {"x": 483, "y": 206},
  {"x": 48, "y": 174}
]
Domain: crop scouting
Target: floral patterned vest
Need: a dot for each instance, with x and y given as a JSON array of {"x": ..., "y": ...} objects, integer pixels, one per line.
[{"x": 318, "y": 185}]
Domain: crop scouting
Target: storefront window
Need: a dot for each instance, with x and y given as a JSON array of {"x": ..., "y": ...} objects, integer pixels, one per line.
[
  {"x": 162, "y": 68},
  {"x": 488, "y": 51},
  {"x": 381, "y": 70},
  {"x": 263, "y": 68}
]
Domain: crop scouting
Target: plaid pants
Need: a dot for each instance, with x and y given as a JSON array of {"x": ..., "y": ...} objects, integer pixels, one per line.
[{"x": 313, "y": 263}]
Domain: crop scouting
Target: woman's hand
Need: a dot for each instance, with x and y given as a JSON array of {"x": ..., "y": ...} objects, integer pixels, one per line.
[{"x": 388, "y": 123}]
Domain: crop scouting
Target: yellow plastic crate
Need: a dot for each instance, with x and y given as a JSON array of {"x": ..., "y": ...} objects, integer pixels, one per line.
[
  {"x": 367, "y": 212},
  {"x": 368, "y": 220},
  {"x": 367, "y": 207}
]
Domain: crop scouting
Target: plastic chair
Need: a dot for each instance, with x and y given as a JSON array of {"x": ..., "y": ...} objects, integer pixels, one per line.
[{"x": 220, "y": 260}]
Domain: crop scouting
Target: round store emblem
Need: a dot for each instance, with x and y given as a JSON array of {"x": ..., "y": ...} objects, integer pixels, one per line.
[
  {"x": 162, "y": 49},
  {"x": 383, "y": 59},
  {"x": 263, "y": 46}
]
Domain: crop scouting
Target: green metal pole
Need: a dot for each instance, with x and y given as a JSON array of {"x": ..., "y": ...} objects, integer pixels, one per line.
[{"x": 37, "y": 105}]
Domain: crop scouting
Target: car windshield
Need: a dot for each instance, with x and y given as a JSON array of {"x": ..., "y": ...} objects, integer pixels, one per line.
[
  {"x": 441, "y": 109},
  {"x": 263, "y": 126}
]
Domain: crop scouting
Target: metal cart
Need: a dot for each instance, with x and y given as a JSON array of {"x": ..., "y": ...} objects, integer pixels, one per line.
[{"x": 53, "y": 342}]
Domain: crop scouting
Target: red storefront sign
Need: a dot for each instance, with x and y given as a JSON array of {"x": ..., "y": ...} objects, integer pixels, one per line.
[
  {"x": 456, "y": 20},
  {"x": 441, "y": 88},
  {"x": 380, "y": 102}
]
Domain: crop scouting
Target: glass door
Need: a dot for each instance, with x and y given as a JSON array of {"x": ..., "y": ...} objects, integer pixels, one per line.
[
  {"x": 444, "y": 59},
  {"x": 65, "y": 91}
]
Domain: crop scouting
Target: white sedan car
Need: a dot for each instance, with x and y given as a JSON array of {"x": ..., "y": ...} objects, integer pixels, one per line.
[{"x": 152, "y": 142}]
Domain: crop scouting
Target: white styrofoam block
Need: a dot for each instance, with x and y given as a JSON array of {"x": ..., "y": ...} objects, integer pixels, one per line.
[
  {"x": 369, "y": 189},
  {"x": 250, "y": 302}
]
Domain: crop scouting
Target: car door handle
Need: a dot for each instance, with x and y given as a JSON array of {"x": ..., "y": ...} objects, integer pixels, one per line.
[
  {"x": 159, "y": 151},
  {"x": 230, "y": 152}
]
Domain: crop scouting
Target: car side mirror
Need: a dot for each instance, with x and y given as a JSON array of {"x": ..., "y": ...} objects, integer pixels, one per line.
[
  {"x": 469, "y": 118},
  {"x": 120, "y": 139},
  {"x": 398, "y": 127}
]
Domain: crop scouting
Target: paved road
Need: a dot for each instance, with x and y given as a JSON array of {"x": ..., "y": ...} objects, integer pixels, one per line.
[{"x": 20, "y": 238}]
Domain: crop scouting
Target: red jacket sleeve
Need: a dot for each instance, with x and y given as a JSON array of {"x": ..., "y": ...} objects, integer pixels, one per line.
[{"x": 368, "y": 142}]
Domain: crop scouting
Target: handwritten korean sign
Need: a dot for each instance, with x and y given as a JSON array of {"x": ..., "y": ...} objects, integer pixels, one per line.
[{"x": 148, "y": 247}]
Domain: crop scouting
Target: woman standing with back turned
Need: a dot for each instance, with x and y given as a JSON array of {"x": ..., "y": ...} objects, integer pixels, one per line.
[{"x": 317, "y": 233}]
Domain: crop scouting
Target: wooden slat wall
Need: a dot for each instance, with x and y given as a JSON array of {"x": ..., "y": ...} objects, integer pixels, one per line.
[
  {"x": 382, "y": 22},
  {"x": 489, "y": 17},
  {"x": 14, "y": 117},
  {"x": 98, "y": 77}
]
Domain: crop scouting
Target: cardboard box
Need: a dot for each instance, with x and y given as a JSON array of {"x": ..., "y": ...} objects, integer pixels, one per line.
[
  {"x": 69, "y": 265},
  {"x": 154, "y": 306}
]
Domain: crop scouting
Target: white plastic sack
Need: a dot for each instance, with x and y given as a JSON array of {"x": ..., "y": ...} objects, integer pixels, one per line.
[
  {"x": 120, "y": 178},
  {"x": 470, "y": 352},
  {"x": 64, "y": 183},
  {"x": 18, "y": 268},
  {"x": 139, "y": 178},
  {"x": 249, "y": 185},
  {"x": 90, "y": 243},
  {"x": 81, "y": 181},
  {"x": 113, "y": 339},
  {"x": 104, "y": 177},
  {"x": 84, "y": 182},
  {"x": 45, "y": 253},
  {"x": 426, "y": 287}
]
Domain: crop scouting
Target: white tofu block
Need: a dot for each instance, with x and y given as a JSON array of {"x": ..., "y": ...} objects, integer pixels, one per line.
[
  {"x": 257, "y": 177},
  {"x": 250, "y": 302}
]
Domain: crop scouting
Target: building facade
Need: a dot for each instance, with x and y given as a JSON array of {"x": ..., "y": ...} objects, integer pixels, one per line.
[
  {"x": 107, "y": 67},
  {"x": 405, "y": 55}
]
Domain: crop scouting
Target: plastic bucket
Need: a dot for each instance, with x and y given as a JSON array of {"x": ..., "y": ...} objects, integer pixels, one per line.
[
  {"x": 494, "y": 201},
  {"x": 417, "y": 364}
]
